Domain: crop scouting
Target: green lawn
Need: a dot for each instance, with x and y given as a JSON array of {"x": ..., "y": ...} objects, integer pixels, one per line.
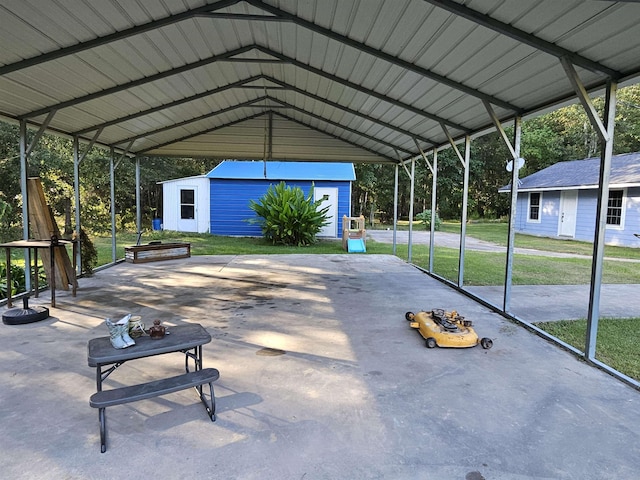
[
  {"x": 617, "y": 341},
  {"x": 481, "y": 268}
]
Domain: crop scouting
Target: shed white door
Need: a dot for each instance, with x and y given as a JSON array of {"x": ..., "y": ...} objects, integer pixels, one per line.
[
  {"x": 188, "y": 209},
  {"x": 568, "y": 210},
  {"x": 329, "y": 197}
]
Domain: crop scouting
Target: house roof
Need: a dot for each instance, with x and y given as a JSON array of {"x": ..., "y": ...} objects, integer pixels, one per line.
[
  {"x": 252, "y": 170},
  {"x": 625, "y": 171},
  {"x": 182, "y": 179},
  {"x": 373, "y": 81}
]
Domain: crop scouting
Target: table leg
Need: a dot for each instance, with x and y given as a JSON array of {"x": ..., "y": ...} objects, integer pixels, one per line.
[
  {"x": 74, "y": 280},
  {"x": 35, "y": 272},
  {"x": 52, "y": 280},
  {"x": 8, "y": 253}
]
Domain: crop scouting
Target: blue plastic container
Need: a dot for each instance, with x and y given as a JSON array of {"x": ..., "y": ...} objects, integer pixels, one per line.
[{"x": 156, "y": 224}]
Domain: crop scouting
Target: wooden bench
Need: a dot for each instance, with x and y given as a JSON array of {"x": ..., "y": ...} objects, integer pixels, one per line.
[
  {"x": 134, "y": 393},
  {"x": 155, "y": 251}
]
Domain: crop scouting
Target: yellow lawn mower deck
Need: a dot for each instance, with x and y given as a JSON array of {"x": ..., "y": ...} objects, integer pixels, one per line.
[{"x": 446, "y": 329}]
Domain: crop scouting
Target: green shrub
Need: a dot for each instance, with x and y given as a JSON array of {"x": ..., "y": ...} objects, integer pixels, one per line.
[
  {"x": 286, "y": 217},
  {"x": 425, "y": 219},
  {"x": 17, "y": 280},
  {"x": 88, "y": 253}
]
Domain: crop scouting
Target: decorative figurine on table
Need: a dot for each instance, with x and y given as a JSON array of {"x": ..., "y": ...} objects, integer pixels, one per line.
[
  {"x": 157, "y": 331},
  {"x": 119, "y": 332},
  {"x": 136, "y": 327}
]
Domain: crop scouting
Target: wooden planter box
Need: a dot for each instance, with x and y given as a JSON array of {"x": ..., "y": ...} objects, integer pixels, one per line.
[{"x": 154, "y": 252}]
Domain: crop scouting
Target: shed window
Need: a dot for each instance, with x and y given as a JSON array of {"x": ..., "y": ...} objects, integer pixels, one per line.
[
  {"x": 534, "y": 207},
  {"x": 187, "y": 204},
  {"x": 614, "y": 207}
]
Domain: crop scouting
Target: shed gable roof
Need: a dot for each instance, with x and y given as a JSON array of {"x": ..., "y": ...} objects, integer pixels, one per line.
[
  {"x": 625, "y": 170},
  {"x": 257, "y": 170}
]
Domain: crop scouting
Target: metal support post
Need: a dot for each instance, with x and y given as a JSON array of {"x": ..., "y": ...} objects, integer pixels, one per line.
[
  {"x": 112, "y": 182},
  {"x": 24, "y": 175},
  {"x": 138, "y": 212},
  {"x": 395, "y": 210},
  {"x": 413, "y": 181},
  {"x": 434, "y": 186},
  {"x": 511, "y": 235},
  {"x": 433, "y": 168},
  {"x": 465, "y": 201},
  {"x": 76, "y": 190},
  {"x": 601, "y": 219}
]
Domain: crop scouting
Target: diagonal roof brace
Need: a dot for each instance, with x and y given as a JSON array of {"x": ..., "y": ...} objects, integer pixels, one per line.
[
  {"x": 523, "y": 37},
  {"x": 498, "y": 125},
  {"x": 453, "y": 145},
  {"x": 586, "y": 102}
]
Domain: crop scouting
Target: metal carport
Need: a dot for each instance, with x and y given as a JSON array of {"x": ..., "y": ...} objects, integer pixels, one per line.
[{"x": 367, "y": 81}]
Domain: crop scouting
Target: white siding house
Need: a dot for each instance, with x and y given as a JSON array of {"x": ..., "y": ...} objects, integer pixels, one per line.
[
  {"x": 185, "y": 204},
  {"x": 560, "y": 200}
]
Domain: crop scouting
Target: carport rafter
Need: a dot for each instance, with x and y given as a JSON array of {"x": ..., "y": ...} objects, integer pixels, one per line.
[
  {"x": 287, "y": 86},
  {"x": 251, "y": 117},
  {"x": 96, "y": 42},
  {"x": 240, "y": 83},
  {"x": 204, "y": 132},
  {"x": 374, "y": 152},
  {"x": 360, "y": 88},
  {"x": 383, "y": 55},
  {"x": 191, "y": 120},
  {"x": 138, "y": 82},
  {"x": 339, "y": 125},
  {"x": 166, "y": 106},
  {"x": 227, "y": 56},
  {"x": 523, "y": 37},
  {"x": 250, "y": 103}
]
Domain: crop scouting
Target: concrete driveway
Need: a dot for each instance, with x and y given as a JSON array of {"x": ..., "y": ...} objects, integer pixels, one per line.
[{"x": 320, "y": 378}]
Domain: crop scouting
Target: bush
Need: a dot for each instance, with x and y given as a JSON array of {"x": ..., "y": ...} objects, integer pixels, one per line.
[
  {"x": 425, "y": 219},
  {"x": 88, "y": 253},
  {"x": 287, "y": 217},
  {"x": 17, "y": 280}
]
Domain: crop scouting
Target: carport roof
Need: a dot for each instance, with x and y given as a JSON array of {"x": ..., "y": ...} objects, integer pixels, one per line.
[{"x": 357, "y": 81}]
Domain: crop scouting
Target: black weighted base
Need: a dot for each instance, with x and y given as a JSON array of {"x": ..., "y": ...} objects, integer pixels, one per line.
[{"x": 26, "y": 314}]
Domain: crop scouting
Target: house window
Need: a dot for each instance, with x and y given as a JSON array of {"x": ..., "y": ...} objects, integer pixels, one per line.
[
  {"x": 187, "y": 204},
  {"x": 614, "y": 208},
  {"x": 534, "y": 207}
]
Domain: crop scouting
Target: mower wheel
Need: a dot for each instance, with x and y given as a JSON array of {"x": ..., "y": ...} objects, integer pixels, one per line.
[
  {"x": 431, "y": 342},
  {"x": 486, "y": 343},
  {"x": 409, "y": 316}
]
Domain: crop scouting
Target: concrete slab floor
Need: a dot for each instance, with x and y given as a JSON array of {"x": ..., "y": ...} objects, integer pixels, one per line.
[{"x": 355, "y": 395}]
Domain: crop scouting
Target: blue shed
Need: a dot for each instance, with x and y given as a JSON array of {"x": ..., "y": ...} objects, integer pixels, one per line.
[
  {"x": 234, "y": 183},
  {"x": 561, "y": 200}
]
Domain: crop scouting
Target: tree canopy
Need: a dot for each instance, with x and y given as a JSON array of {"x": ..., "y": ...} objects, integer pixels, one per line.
[{"x": 564, "y": 134}]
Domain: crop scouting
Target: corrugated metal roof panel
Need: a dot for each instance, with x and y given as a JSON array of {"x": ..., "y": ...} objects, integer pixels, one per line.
[
  {"x": 434, "y": 63},
  {"x": 252, "y": 170}
]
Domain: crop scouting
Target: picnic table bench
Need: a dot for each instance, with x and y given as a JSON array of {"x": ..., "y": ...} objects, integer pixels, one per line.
[{"x": 187, "y": 339}]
